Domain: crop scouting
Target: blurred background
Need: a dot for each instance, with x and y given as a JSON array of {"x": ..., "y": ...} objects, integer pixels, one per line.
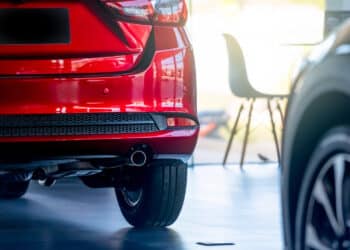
[{"x": 274, "y": 35}]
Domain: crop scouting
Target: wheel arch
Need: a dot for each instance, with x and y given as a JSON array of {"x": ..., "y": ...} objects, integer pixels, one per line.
[{"x": 316, "y": 119}]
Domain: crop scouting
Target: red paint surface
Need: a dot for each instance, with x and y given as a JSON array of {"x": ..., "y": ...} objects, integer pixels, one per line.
[{"x": 99, "y": 72}]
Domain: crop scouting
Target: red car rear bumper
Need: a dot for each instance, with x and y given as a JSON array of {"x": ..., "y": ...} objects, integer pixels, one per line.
[
  {"x": 165, "y": 144},
  {"x": 165, "y": 85}
]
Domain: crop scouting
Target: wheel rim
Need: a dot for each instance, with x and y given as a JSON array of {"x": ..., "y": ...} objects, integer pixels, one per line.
[
  {"x": 132, "y": 198},
  {"x": 328, "y": 211}
]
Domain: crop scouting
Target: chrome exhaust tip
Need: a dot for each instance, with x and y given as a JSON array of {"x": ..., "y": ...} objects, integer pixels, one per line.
[{"x": 138, "y": 158}]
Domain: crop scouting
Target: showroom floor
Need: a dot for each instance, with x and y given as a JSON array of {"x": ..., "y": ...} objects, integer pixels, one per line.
[{"x": 222, "y": 206}]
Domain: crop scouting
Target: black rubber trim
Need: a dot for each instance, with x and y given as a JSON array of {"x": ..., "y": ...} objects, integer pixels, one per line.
[
  {"x": 77, "y": 130},
  {"x": 87, "y": 124},
  {"x": 76, "y": 124},
  {"x": 87, "y": 119}
]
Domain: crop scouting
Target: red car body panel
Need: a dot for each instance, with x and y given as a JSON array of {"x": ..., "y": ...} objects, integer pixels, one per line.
[
  {"x": 93, "y": 46},
  {"x": 150, "y": 69},
  {"x": 165, "y": 86}
]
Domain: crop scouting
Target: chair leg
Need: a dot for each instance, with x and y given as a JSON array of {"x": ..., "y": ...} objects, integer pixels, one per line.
[
  {"x": 233, "y": 132},
  {"x": 279, "y": 108},
  {"x": 274, "y": 133},
  {"x": 245, "y": 140}
]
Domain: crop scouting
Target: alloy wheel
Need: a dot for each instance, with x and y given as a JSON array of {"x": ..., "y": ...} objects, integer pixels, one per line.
[
  {"x": 328, "y": 210},
  {"x": 132, "y": 198}
]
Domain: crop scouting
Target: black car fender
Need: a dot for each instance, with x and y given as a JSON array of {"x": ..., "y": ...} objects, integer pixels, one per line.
[{"x": 320, "y": 99}]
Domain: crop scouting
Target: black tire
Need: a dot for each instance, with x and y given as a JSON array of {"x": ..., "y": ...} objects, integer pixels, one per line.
[
  {"x": 310, "y": 212},
  {"x": 162, "y": 193},
  {"x": 13, "y": 189}
]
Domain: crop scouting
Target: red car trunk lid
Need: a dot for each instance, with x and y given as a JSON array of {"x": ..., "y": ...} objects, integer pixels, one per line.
[{"x": 76, "y": 37}]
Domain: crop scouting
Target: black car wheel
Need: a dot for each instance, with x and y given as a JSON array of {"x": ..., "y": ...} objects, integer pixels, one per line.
[
  {"x": 158, "y": 199},
  {"x": 13, "y": 189},
  {"x": 323, "y": 211}
]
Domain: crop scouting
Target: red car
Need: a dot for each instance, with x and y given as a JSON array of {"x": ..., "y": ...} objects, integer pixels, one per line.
[{"x": 102, "y": 90}]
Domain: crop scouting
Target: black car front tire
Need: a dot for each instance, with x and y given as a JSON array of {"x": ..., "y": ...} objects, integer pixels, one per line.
[
  {"x": 160, "y": 196},
  {"x": 324, "y": 205}
]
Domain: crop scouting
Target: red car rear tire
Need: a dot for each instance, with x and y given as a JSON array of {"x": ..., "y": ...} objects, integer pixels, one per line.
[
  {"x": 13, "y": 189},
  {"x": 158, "y": 201}
]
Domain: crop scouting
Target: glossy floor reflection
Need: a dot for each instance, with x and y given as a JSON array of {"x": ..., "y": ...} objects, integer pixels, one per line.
[{"x": 221, "y": 206}]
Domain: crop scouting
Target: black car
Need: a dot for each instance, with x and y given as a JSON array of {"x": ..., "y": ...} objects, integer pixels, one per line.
[{"x": 316, "y": 149}]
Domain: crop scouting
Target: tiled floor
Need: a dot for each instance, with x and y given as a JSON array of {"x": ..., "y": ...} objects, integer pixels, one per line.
[{"x": 222, "y": 205}]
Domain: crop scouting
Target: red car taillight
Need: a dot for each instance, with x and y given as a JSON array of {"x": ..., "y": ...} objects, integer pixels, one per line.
[
  {"x": 158, "y": 12},
  {"x": 181, "y": 122}
]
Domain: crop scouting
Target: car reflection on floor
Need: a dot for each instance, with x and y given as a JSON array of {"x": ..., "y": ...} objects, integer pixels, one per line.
[{"x": 222, "y": 206}]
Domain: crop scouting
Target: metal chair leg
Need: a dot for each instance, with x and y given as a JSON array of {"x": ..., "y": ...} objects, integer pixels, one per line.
[
  {"x": 245, "y": 141},
  {"x": 233, "y": 132},
  {"x": 279, "y": 108},
  {"x": 274, "y": 133}
]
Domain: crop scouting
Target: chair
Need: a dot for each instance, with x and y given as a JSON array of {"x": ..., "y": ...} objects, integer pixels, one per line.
[{"x": 241, "y": 87}]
